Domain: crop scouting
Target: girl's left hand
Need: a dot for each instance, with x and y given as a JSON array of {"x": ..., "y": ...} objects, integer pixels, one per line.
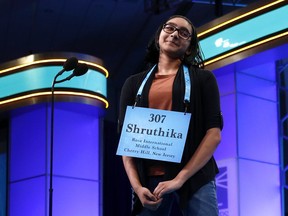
[{"x": 166, "y": 187}]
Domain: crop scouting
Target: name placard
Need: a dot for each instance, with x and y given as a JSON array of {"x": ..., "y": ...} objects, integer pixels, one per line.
[{"x": 153, "y": 134}]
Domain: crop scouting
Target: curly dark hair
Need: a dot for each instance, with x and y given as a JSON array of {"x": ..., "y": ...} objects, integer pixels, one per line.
[{"x": 195, "y": 56}]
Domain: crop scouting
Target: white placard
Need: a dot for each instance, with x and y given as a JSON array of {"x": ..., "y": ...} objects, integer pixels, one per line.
[{"x": 154, "y": 134}]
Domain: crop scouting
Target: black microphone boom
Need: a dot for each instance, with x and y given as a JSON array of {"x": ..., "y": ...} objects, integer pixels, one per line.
[{"x": 80, "y": 70}]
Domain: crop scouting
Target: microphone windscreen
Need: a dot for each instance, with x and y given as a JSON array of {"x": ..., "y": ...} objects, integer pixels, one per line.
[
  {"x": 80, "y": 70},
  {"x": 70, "y": 64}
]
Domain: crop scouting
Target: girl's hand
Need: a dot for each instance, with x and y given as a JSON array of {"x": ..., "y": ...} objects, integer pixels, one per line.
[
  {"x": 147, "y": 199},
  {"x": 166, "y": 187}
]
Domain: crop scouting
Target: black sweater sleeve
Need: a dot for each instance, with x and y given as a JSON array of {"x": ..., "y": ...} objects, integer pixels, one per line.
[{"x": 211, "y": 101}]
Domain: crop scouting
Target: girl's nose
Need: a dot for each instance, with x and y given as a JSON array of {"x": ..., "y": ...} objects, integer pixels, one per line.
[{"x": 175, "y": 34}]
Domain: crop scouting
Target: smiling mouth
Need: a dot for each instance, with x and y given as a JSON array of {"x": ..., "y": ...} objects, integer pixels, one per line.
[{"x": 172, "y": 42}]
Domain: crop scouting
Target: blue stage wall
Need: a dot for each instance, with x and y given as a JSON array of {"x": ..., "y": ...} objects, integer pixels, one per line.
[{"x": 249, "y": 155}]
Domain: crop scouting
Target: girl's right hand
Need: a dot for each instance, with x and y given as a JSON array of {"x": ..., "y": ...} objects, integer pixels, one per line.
[{"x": 147, "y": 199}]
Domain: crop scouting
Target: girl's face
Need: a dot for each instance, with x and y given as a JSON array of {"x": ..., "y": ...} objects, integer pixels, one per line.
[{"x": 175, "y": 38}]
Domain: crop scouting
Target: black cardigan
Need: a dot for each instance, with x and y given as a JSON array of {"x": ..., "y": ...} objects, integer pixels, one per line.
[{"x": 205, "y": 108}]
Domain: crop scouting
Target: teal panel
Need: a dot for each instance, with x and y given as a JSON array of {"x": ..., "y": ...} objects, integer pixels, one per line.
[
  {"x": 42, "y": 77},
  {"x": 245, "y": 32}
]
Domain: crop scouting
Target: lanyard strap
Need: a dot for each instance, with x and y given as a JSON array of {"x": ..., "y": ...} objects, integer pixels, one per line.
[{"x": 187, "y": 86}]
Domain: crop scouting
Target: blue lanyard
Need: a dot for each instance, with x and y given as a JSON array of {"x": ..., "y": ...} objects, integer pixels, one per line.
[{"x": 187, "y": 85}]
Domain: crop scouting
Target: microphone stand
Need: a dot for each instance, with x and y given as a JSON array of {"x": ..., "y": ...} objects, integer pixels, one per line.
[
  {"x": 52, "y": 147},
  {"x": 78, "y": 71}
]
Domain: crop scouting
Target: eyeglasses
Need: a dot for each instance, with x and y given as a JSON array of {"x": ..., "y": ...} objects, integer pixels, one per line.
[{"x": 182, "y": 32}]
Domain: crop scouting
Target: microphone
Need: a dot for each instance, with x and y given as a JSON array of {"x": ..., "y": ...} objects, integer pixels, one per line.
[
  {"x": 70, "y": 64},
  {"x": 80, "y": 70}
]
